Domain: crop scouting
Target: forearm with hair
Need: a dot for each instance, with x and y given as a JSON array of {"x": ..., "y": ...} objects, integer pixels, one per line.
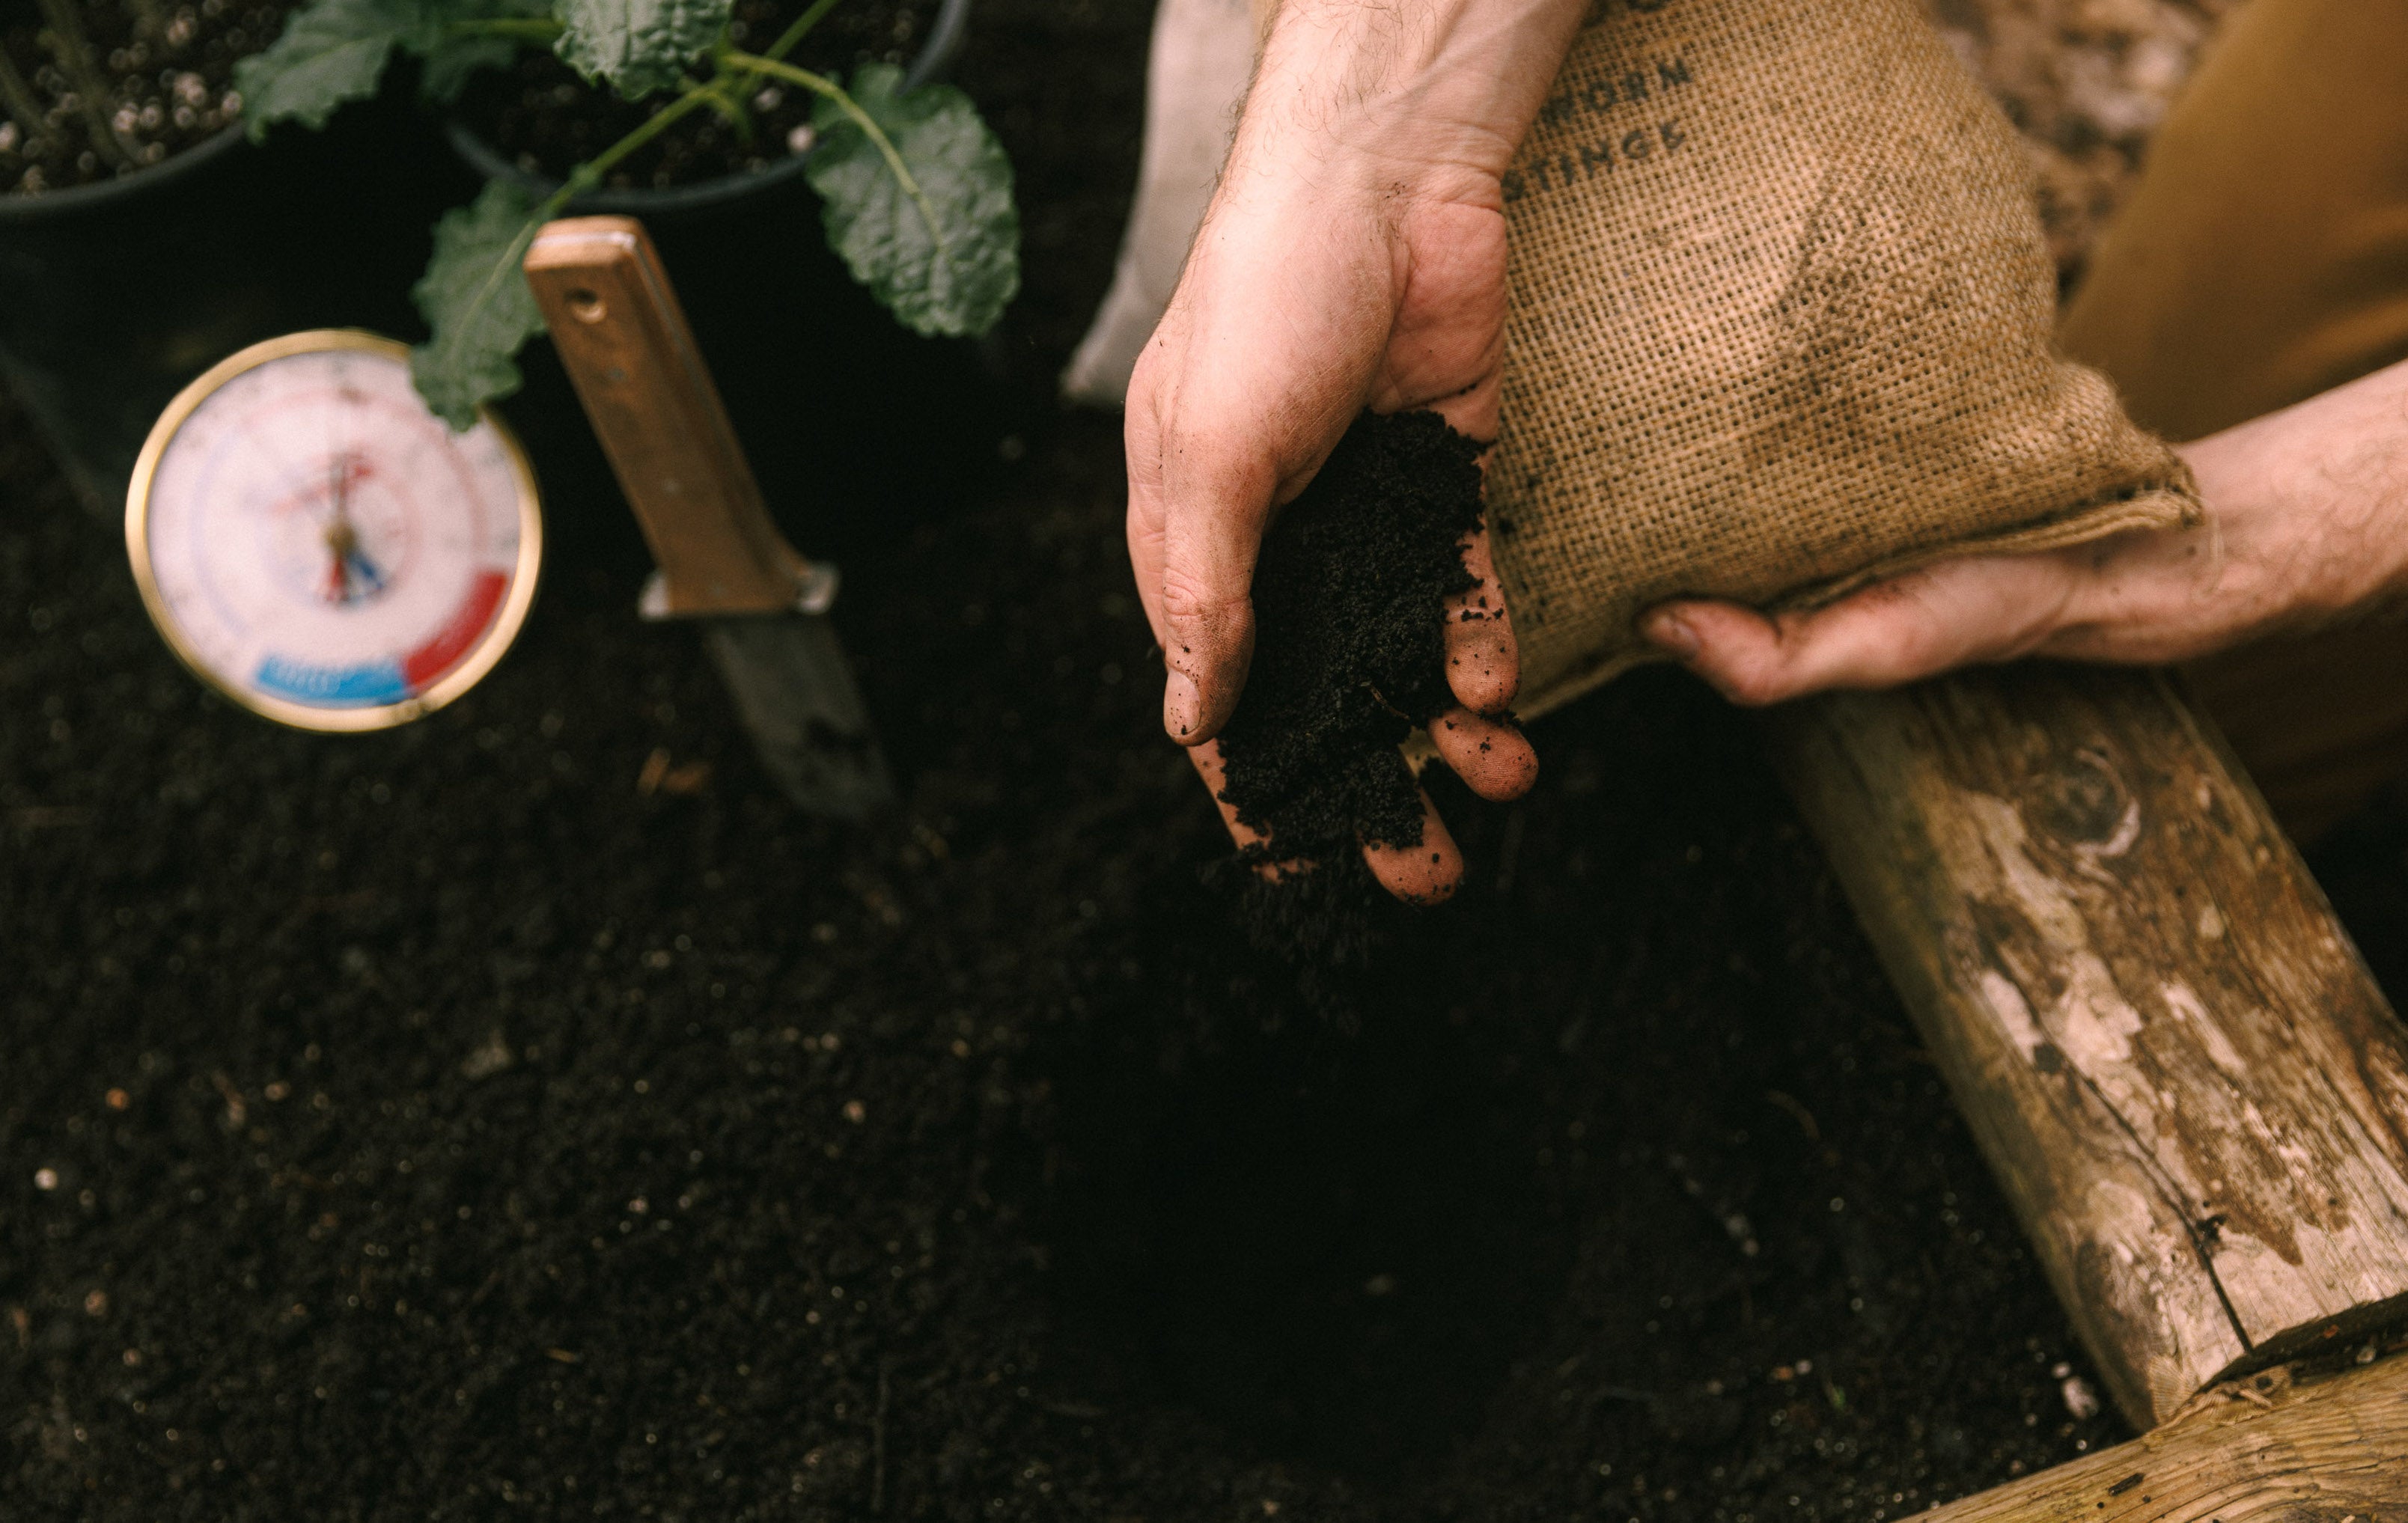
[{"x": 1436, "y": 83}]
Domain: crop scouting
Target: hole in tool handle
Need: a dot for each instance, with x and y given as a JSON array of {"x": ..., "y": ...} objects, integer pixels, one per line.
[{"x": 587, "y": 306}]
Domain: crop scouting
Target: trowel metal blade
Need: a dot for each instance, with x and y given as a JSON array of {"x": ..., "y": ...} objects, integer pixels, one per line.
[{"x": 796, "y": 693}]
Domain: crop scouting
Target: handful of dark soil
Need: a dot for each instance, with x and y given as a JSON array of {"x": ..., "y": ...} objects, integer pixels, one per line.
[{"x": 1350, "y": 650}]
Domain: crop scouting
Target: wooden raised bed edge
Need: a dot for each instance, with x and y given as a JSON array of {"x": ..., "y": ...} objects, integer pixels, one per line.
[
  {"x": 2329, "y": 1445},
  {"x": 2182, "y": 1072}
]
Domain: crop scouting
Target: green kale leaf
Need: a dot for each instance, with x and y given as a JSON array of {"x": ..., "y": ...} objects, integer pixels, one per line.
[
  {"x": 333, "y": 51},
  {"x": 476, "y": 300},
  {"x": 941, "y": 250},
  {"x": 640, "y": 46}
]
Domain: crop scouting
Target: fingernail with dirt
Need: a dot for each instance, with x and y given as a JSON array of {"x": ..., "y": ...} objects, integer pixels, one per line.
[{"x": 1182, "y": 708}]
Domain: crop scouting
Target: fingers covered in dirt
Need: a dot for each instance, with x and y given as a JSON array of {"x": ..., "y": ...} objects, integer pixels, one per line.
[
  {"x": 1208, "y": 766},
  {"x": 1492, "y": 757},
  {"x": 1483, "y": 665},
  {"x": 1425, "y": 873},
  {"x": 1378, "y": 609}
]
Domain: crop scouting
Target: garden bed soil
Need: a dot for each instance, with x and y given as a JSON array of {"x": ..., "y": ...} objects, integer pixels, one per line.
[
  {"x": 167, "y": 77},
  {"x": 590, "y": 1146},
  {"x": 546, "y": 118},
  {"x": 524, "y": 1110}
]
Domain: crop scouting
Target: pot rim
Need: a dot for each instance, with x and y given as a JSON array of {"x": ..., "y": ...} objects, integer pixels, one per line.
[
  {"x": 75, "y": 198},
  {"x": 935, "y": 57}
]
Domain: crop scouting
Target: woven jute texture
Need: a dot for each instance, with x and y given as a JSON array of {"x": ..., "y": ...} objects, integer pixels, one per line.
[{"x": 1780, "y": 326}]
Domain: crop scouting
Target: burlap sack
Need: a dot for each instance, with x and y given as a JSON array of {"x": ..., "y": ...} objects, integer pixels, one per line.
[{"x": 1779, "y": 324}]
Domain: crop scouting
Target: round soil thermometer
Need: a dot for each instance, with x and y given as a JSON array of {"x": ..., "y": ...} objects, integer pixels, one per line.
[{"x": 318, "y": 547}]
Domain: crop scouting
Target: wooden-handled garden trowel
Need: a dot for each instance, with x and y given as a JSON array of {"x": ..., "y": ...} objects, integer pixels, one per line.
[{"x": 762, "y": 608}]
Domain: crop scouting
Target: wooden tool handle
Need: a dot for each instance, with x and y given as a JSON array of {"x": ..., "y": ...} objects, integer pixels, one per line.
[{"x": 625, "y": 342}]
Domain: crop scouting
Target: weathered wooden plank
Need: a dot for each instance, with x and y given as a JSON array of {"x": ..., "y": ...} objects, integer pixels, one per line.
[
  {"x": 2178, "y": 1063},
  {"x": 2329, "y": 1448}
]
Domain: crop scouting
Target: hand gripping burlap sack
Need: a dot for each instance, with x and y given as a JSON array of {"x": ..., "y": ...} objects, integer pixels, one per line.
[{"x": 1780, "y": 326}]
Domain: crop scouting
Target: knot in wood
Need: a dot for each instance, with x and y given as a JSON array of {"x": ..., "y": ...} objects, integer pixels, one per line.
[{"x": 2081, "y": 801}]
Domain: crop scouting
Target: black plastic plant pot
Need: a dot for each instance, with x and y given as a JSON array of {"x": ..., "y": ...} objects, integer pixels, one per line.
[
  {"x": 853, "y": 425},
  {"x": 113, "y": 296}
]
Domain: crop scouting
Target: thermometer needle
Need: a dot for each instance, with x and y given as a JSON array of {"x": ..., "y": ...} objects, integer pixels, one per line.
[{"x": 350, "y": 564}]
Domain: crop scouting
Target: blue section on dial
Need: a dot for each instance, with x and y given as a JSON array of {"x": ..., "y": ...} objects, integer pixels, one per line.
[{"x": 332, "y": 686}]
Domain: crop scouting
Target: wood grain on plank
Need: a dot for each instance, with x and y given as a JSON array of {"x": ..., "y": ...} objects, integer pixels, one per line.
[
  {"x": 2328, "y": 1448},
  {"x": 2176, "y": 1061}
]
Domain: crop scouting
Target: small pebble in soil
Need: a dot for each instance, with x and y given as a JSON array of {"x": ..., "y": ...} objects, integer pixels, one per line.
[{"x": 2080, "y": 1400}]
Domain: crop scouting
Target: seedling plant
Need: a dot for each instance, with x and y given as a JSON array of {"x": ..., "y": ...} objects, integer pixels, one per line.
[{"x": 916, "y": 191}]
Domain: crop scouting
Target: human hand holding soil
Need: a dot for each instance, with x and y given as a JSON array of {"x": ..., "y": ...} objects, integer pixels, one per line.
[
  {"x": 1354, "y": 257},
  {"x": 1372, "y": 624},
  {"x": 2307, "y": 524}
]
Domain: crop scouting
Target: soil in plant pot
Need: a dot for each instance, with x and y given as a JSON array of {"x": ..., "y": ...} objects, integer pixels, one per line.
[
  {"x": 138, "y": 82},
  {"x": 545, "y": 118}
]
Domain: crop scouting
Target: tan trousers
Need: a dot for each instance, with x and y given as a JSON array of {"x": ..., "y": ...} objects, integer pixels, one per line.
[{"x": 2262, "y": 259}]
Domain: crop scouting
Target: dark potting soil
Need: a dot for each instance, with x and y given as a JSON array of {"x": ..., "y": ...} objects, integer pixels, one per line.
[
  {"x": 547, "y": 117},
  {"x": 142, "y": 82},
  {"x": 524, "y": 1109},
  {"x": 1350, "y": 650},
  {"x": 487, "y": 1118}
]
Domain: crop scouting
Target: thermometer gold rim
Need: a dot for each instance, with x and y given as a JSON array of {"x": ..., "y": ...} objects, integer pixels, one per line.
[{"x": 460, "y": 677}]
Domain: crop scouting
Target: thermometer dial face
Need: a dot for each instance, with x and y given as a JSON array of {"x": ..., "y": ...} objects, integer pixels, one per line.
[{"x": 320, "y": 547}]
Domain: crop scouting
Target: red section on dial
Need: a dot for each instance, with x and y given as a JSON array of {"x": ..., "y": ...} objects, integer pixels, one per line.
[{"x": 450, "y": 643}]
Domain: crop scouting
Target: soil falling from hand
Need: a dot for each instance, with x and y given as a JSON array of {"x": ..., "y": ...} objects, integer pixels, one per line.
[{"x": 1350, "y": 650}]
